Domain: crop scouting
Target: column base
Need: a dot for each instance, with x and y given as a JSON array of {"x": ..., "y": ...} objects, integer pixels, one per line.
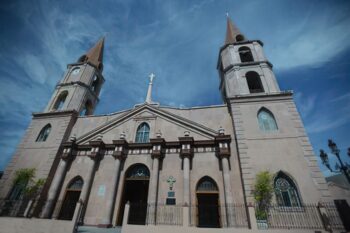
[{"x": 104, "y": 225}]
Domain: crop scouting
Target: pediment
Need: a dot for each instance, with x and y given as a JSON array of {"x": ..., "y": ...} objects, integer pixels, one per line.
[{"x": 147, "y": 113}]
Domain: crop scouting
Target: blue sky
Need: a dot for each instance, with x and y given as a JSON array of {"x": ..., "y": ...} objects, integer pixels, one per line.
[{"x": 308, "y": 42}]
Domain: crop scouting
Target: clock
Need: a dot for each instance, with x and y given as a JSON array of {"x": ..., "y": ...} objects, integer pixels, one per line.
[{"x": 76, "y": 71}]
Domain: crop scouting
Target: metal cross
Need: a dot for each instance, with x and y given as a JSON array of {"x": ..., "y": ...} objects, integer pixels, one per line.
[
  {"x": 171, "y": 180},
  {"x": 151, "y": 77}
]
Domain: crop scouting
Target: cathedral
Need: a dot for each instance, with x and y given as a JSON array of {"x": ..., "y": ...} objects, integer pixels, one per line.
[{"x": 164, "y": 166}]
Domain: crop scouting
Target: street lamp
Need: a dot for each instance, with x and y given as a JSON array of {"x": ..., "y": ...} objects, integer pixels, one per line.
[{"x": 342, "y": 168}]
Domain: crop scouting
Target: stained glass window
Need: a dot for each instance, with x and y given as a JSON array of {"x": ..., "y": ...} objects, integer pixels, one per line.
[
  {"x": 207, "y": 184},
  {"x": 142, "y": 134},
  {"x": 266, "y": 121},
  {"x": 286, "y": 193},
  {"x": 44, "y": 133},
  {"x": 138, "y": 171},
  {"x": 77, "y": 184}
]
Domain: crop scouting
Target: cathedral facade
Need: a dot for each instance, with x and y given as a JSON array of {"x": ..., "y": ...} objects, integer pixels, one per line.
[{"x": 154, "y": 158}]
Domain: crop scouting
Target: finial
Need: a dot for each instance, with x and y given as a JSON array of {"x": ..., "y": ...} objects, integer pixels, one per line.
[
  {"x": 73, "y": 138},
  {"x": 159, "y": 134},
  {"x": 149, "y": 92},
  {"x": 187, "y": 133},
  {"x": 99, "y": 137},
  {"x": 221, "y": 131},
  {"x": 122, "y": 135}
]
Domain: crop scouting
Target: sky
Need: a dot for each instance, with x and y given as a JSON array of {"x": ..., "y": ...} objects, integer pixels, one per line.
[{"x": 308, "y": 42}]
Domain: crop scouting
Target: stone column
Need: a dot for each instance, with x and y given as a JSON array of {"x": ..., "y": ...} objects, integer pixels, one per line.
[
  {"x": 186, "y": 154},
  {"x": 224, "y": 154},
  {"x": 186, "y": 181},
  {"x": 157, "y": 154},
  {"x": 119, "y": 154},
  {"x": 96, "y": 147},
  {"x": 54, "y": 189},
  {"x": 68, "y": 153}
]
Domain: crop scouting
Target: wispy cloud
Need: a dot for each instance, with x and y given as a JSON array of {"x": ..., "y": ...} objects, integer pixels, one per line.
[{"x": 177, "y": 40}]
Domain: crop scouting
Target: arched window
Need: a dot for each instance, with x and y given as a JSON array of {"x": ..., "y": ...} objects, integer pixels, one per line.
[
  {"x": 44, "y": 133},
  {"x": 207, "y": 184},
  {"x": 245, "y": 54},
  {"x": 142, "y": 134},
  {"x": 266, "y": 120},
  {"x": 138, "y": 171},
  {"x": 87, "y": 110},
  {"x": 285, "y": 190},
  {"x": 60, "y": 100},
  {"x": 239, "y": 38},
  {"x": 76, "y": 184},
  {"x": 82, "y": 58},
  {"x": 95, "y": 84},
  {"x": 254, "y": 82}
]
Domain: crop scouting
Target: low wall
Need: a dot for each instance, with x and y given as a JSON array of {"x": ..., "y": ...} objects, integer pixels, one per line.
[
  {"x": 34, "y": 225},
  {"x": 179, "y": 229}
]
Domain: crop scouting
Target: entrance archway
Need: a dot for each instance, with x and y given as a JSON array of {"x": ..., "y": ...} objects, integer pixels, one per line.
[
  {"x": 71, "y": 198},
  {"x": 135, "y": 191},
  {"x": 207, "y": 193}
]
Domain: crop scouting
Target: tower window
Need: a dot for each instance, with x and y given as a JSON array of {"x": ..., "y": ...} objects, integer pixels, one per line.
[
  {"x": 95, "y": 84},
  {"x": 142, "y": 133},
  {"x": 254, "y": 82},
  {"x": 44, "y": 133},
  {"x": 286, "y": 192},
  {"x": 267, "y": 122},
  {"x": 245, "y": 54},
  {"x": 87, "y": 110},
  {"x": 60, "y": 100},
  {"x": 82, "y": 58},
  {"x": 239, "y": 38}
]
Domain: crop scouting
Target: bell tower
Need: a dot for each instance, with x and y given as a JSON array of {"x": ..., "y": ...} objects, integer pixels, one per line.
[
  {"x": 80, "y": 87},
  {"x": 243, "y": 67},
  {"x": 267, "y": 127}
]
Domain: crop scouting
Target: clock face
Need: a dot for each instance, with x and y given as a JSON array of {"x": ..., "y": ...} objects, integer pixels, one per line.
[{"x": 76, "y": 71}]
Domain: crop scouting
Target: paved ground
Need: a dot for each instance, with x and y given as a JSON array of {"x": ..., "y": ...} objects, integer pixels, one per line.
[{"x": 85, "y": 229}]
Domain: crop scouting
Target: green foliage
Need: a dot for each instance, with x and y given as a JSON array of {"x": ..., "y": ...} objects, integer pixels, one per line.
[
  {"x": 263, "y": 190},
  {"x": 25, "y": 178},
  {"x": 34, "y": 190}
]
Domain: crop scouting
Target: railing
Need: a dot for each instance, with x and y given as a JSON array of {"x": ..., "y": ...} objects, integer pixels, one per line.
[
  {"x": 169, "y": 215},
  {"x": 333, "y": 219},
  {"x": 216, "y": 216},
  {"x": 14, "y": 208},
  {"x": 303, "y": 217}
]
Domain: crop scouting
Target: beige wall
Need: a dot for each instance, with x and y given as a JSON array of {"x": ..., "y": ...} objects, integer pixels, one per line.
[
  {"x": 38, "y": 155},
  {"x": 287, "y": 149}
]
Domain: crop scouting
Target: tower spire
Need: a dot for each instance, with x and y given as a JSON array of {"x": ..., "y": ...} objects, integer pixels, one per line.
[
  {"x": 95, "y": 55},
  {"x": 232, "y": 32},
  {"x": 149, "y": 91}
]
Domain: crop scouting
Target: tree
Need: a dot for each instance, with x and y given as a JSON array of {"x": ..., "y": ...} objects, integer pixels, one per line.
[{"x": 263, "y": 190}]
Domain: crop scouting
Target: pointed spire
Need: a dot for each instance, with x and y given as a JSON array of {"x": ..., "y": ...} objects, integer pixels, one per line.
[
  {"x": 95, "y": 55},
  {"x": 232, "y": 32}
]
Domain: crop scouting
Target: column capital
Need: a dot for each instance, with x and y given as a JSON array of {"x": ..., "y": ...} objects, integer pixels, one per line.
[
  {"x": 120, "y": 150},
  {"x": 69, "y": 150},
  {"x": 222, "y": 142},
  {"x": 96, "y": 147},
  {"x": 157, "y": 147},
  {"x": 186, "y": 147}
]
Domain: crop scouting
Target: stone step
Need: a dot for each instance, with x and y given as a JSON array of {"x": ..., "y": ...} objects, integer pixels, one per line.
[{"x": 86, "y": 229}]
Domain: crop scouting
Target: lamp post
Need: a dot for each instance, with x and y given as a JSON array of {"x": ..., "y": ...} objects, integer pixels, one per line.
[{"x": 342, "y": 168}]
